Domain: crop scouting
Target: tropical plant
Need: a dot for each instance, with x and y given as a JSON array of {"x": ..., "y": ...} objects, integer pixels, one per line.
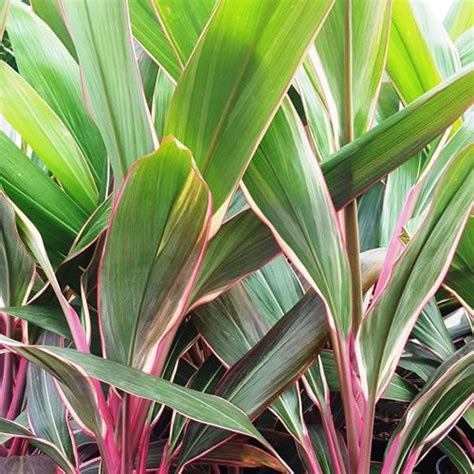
[{"x": 235, "y": 234}]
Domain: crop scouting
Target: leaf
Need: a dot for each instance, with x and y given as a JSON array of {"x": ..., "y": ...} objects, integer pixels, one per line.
[
  {"x": 10, "y": 427},
  {"x": 146, "y": 277},
  {"x": 459, "y": 18},
  {"x": 56, "y": 215},
  {"x": 4, "y": 7},
  {"x": 28, "y": 464},
  {"x": 72, "y": 368},
  {"x": 164, "y": 90},
  {"x": 148, "y": 31},
  {"x": 370, "y": 157},
  {"x": 241, "y": 246},
  {"x": 234, "y": 82},
  {"x": 16, "y": 265},
  {"x": 456, "y": 455},
  {"x": 239, "y": 319},
  {"x": 52, "y": 71},
  {"x": 430, "y": 330},
  {"x": 387, "y": 324},
  {"x": 49, "y": 12},
  {"x": 42, "y": 129},
  {"x": 368, "y": 40},
  {"x": 266, "y": 370},
  {"x": 101, "y": 34},
  {"x": 183, "y": 24},
  {"x": 285, "y": 187},
  {"x": 46, "y": 410},
  {"x": 369, "y": 208},
  {"x": 433, "y": 413},
  {"x": 45, "y": 317}
]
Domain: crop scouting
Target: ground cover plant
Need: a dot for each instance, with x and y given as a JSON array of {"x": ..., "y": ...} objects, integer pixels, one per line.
[{"x": 236, "y": 236}]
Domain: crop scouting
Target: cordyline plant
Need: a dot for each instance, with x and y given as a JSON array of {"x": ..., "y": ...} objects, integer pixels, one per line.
[{"x": 235, "y": 234}]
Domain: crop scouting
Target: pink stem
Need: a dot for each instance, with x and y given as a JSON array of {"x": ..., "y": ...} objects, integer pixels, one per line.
[
  {"x": 367, "y": 434},
  {"x": 18, "y": 391},
  {"x": 7, "y": 374},
  {"x": 310, "y": 455},
  {"x": 331, "y": 439}
]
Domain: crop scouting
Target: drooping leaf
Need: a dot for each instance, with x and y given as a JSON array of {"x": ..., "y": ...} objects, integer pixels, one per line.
[
  {"x": 45, "y": 317},
  {"x": 242, "y": 245},
  {"x": 391, "y": 317},
  {"x": 152, "y": 253},
  {"x": 49, "y": 67},
  {"x": 42, "y": 129},
  {"x": 101, "y": 34},
  {"x": 10, "y": 427},
  {"x": 285, "y": 187},
  {"x": 370, "y": 157},
  {"x": 234, "y": 82},
  {"x": 433, "y": 413},
  {"x": 71, "y": 368},
  {"x": 16, "y": 265},
  {"x": 267, "y": 369},
  {"x": 46, "y": 410}
]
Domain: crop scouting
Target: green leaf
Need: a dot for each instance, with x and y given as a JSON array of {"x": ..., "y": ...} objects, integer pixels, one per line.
[
  {"x": 433, "y": 413},
  {"x": 146, "y": 277},
  {"x": 368, "y": 36},
  {"x": 457, "y": 455},
  {"x": 46, "y": 410},
  {"x": 101, "y": 34},
  {"x": 234, "y": 82},
  {"x": 183, "y": 23},
  {"x": 48, "y": 66},
  {"x": 49, "y": 12},
  {"x": 387, "y": 324},
  {"x": 465, "y": 47},
  {"x": 56, "y": 215},
  {"x": 73, "y": 369},
  {"x": 164, "y": 90},
  {"x": 45, "y": 317},
  {"x": 275, "y": 362},
  {"x": 42, "y": 129},
  {"x": 16, "y": 265},
  {"x": 4, "y": 6},
  {"x": 286, "y": 189},
  {"x": 241, "y": 246},
  {"x": 370, "y": 157},
  {"x": 148, "y": 31}
]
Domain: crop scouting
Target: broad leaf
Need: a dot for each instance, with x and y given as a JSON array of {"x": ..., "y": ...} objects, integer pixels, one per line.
[
  {"x": 42, "y": 129},
  {"x": 101, "y": 34},
  {"x": 234, "y": 82},
  {"x": 392, "y": 315},
  {"x": 286, "y": 188},
  {"x": 152, "y": 253}
]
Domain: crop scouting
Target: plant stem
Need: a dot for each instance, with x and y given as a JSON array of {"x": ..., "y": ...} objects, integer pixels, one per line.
[
  {"x": 331, "y": 439},
  {"x": 351, "y": 226},
  {"x": 366, "y": 441},
  {"x": 7, "y": 375},
  {"x": 126, "y": 464}
]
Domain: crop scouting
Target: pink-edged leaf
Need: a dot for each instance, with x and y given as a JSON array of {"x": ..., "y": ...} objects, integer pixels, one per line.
[
  {"x": 241, "y": 246},
  {"x": 414, "y": 278},
  {"x": 19, "y": 431},
  {"x": 433, "y": 413},
  {"x": 153, "y": 250},
  {"x": 74, "y": 370},
  {"x": 286, "y": 188}
]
